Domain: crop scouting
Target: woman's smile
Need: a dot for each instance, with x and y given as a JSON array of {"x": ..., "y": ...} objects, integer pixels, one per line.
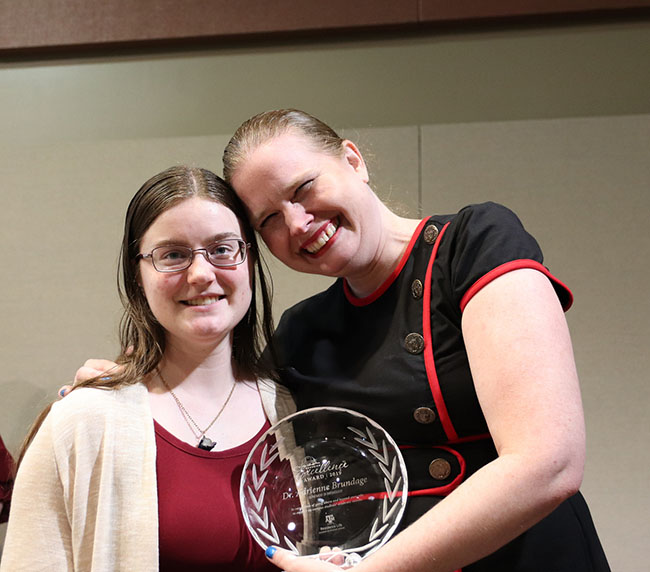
[
  {"x": 315, "y": 245},
  {"x": 203, "y": 300}
]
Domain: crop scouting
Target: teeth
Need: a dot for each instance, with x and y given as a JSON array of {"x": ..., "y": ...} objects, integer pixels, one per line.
[
  {"x": 202, "y": 301},
  {"x": 322, "y": 240}
]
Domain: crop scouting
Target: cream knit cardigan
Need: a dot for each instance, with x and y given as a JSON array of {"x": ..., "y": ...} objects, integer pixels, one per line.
[{"x": 85, "y": 498}]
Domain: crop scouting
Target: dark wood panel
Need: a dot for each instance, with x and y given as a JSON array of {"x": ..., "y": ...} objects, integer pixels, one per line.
[
  {"x": 43, "y": 26},
  {"x": 446, "y": 10},
  {"x": 42, "y": 23}
]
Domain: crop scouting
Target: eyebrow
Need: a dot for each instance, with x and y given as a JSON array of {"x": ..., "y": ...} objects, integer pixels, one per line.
[{"x": 216, "y": 238}]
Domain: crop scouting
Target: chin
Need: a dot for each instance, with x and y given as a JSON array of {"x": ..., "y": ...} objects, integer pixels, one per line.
[
  {"x": 334, "y": 266},
  {"x": 207, "y": 334}
]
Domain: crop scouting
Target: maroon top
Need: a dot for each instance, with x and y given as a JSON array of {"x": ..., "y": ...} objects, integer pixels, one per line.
[{"x": 200, "y": 523}]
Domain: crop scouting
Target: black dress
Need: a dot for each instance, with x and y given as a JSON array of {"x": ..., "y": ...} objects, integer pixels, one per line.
[{"x": 398, "y": 357}]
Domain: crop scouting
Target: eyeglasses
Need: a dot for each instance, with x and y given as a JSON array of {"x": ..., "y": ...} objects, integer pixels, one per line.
[{"x": 175, "y": 258}]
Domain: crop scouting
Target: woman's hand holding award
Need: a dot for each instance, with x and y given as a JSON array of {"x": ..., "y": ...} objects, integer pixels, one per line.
[{"x": 324, "y": 478}]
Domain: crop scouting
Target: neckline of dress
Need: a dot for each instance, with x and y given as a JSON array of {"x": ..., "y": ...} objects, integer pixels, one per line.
[{"x": 370, "y": 298}]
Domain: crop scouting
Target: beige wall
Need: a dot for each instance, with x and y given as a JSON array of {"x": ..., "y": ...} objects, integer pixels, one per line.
[{"x": 554, "y": 123}]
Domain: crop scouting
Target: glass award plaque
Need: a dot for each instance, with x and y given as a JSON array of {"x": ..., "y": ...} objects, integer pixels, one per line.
[{"x": 324, "y": 479}]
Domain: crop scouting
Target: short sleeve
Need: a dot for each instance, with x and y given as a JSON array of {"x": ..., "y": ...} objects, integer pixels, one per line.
[{"x": 486, "y": 241}]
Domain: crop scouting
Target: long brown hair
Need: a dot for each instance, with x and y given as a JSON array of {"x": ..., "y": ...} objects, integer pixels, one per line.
[{"x": 142, "y": 338}]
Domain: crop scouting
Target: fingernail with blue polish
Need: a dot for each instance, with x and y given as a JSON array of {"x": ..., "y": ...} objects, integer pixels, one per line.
[
  {"x": 270, "y": 551},
  {"x": 62, "y": 393}
]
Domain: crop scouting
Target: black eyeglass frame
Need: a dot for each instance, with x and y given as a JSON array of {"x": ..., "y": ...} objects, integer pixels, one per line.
[{"x": 243, "y": 248}]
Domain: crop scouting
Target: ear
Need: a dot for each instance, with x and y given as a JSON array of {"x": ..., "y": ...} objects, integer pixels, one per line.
[{"x": 355, "y": 159}]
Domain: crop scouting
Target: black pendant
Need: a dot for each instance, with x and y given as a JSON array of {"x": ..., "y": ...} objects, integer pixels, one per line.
[{"x": 206, "y": 444}]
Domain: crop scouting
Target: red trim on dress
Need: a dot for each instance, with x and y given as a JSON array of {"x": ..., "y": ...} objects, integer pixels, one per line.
[
  {"x": 440, "y": 491},
  {"x": 509, "y": 267},
  {"x": 355, "y": 301},
  {"x": 429, "y": 362}
]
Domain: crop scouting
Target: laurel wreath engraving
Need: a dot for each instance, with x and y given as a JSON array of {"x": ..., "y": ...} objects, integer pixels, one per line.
[
  {"x": 390, "y": 503},
  {"x": 391, "y": 500}
]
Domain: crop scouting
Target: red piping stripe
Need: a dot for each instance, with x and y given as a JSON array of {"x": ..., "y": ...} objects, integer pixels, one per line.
[
  {"x": 509, "y": 267},
  {"x": 429, "y": 362},
  {"x": 442, "y": 490},
  {"x": 355, "y": 301}
]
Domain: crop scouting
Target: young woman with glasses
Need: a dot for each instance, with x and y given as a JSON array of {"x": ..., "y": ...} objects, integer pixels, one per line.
[{"x": 138, "y": 469}]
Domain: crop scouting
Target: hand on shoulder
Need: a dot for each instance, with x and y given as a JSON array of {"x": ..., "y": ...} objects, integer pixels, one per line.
[{"x": 91, "y": 368}]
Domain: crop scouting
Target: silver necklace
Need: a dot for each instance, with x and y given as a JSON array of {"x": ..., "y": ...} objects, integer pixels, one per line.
[{"x": 204, "y": 442}]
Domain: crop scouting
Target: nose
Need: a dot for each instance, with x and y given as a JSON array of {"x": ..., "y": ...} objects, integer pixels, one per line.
[
  {"x": 297, "y": 219},
  {"x": 200, "y": 271}
]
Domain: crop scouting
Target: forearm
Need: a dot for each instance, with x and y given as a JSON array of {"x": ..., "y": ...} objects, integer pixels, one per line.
[{"x": 491, "y": 508}]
